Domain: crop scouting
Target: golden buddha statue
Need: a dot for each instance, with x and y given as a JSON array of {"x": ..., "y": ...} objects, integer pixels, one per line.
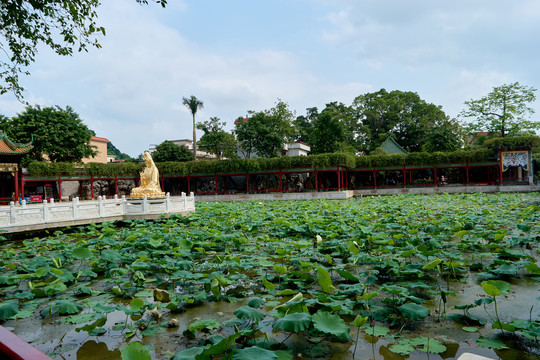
[{"x": 149, "y": 180}]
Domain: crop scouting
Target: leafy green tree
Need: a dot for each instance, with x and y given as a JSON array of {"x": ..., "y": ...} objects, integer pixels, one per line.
[
  {"x": 265, "y": 132},
  {"x": 445, "y": 135},
  {"x": 58, "y": 134},
  {"x": 62, "y": 25},
  {"x": 304, "y": 125},
  {"x": 168, "y": 151},
  {"x": 404, "y": 115},
  {"x": 113, "y": 150},
  {"x": 333, "y": 130},
  {"x": 193, "y": 104},
  {"x": 503, "y": 111},
  {"x": 216, "y": 140}
]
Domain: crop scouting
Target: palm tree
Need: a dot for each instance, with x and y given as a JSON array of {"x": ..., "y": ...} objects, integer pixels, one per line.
[{"x": 193, "y": 104}]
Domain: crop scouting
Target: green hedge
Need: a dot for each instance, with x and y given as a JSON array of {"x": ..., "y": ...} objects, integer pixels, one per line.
[
  {"x": 422, "y": 158},
  {"x": 260, "y": 164},
  {"x": 70, "y": 169},
  {"x": 513, "y": 142}
]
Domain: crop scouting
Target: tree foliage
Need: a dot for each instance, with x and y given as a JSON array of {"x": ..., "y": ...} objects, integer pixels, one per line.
[
  {"x": 193, "y": 104},
  {"x": 62, "y": 25},
  {"x": 304, "y": 125},
  {"x": 58, "y": 134},
  {"x": 168, "y": 151},
  {"x": 216, "y": 140},
  {"x": 444, "y": 134},
  {"x": 404, "y": 115},
  {"x": 333, "y": 129},
  {"x": 265, "y": 132},
  {"x": 113, "y": 150},
  {"x": 504, "y": 111}
]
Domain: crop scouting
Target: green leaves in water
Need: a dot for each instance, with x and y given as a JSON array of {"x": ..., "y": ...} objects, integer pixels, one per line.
[
  {"x": 135, "y": 351},
  {"x": 331, "y": 324},
  {"x": 306, "y": 266},
  {"x": 413, "y": 311},
  {"x": 293, "y": 322}
]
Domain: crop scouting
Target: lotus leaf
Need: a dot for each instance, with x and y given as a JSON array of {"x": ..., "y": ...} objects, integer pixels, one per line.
[
  {"x": 413, "y": 311},
  {"x": 8, "y": 310},
  {"x": 494, "y": 344},
  {"x": 293, "y": 322},
  {"x": 204, "y": 324},
  {"x": 256, "y": 303},
  {"x": 496, "y": 287},
  {"x": 330, "y": 324},
  {"x": 249, "y": 313},
  {"x": 135, "y": 351},
  {"x": 254, "y": 352}
]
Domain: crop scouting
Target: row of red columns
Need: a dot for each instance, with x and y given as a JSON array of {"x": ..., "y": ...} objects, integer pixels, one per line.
[{"x": 342, "y": 180}]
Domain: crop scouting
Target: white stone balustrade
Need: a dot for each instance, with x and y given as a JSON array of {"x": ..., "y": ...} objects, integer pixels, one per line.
[{"x": 56, "y": 213}]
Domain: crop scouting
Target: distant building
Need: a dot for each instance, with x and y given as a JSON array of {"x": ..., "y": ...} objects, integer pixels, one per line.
[
  {"x": 101, "y": 148},
  {"x": 392, "y": 147},
  {"x": 298, "y": 148}
]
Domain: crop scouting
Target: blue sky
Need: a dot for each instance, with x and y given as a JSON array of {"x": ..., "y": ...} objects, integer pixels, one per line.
[{"x": 237, "y": 56}]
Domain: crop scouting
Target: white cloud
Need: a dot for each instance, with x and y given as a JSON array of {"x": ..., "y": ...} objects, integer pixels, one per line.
[{"x": 131, "y": 90}]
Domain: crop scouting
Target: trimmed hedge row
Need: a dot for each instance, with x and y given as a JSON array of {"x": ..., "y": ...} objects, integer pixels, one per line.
[
  {"x": 513, "y": 142},
  {"x": 38, "y": 168},
  {"x": 287, "y": 162},
  {"x": 260, "y": 164},
  {"x": 422, "y": 158}
]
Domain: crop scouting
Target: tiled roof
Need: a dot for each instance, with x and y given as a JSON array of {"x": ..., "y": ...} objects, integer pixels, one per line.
[
  {"x": 11, "y": 148},
  {"x": 392, "y": 147},
  {"x": 97, "y": 138}
]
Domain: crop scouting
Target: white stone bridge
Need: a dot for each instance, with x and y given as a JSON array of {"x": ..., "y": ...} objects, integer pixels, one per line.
[{"x": 23, "y": 217}]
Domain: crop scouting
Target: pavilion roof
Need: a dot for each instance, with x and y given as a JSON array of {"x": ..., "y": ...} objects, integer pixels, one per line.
[{"x": 8, "y": 147}]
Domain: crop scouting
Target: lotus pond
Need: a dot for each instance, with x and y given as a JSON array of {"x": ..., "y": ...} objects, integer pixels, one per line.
[{"x": 407, "y": 276}]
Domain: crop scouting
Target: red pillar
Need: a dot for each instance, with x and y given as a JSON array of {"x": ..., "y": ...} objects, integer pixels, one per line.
[
  {"x": 115, "y": 185},
  {"x": 467, "y": 173},
  {"x": 16, "y": 185},
  {"x": 435, "y": 179},
  {"x": 500, "y": 168},
  {"x": 22, "y": 185},
  {"x": 91, "y": 187},
  {"x": 59, "y": 185},
  {"x": 404, "y": 177},
  {"x": 374, "y": 178}
]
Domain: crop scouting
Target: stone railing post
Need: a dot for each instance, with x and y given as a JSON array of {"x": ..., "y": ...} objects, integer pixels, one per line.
[
  {"x": 45, "y": 211},
  {"x": 100, "y": 206},
  {"x": 185, "y": 200},
  {"x": 168, "y": 203},
  {"x": 12, "y": 213},
  {"x": 145, "y": 205},
  {"x": 75, "y": 207},
  {"x": 23, "y": 203},
  {"x": 124, "y": 202}
]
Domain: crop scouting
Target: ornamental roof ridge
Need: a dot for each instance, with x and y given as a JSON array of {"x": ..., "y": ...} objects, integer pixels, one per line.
[{"x": 9, "y": 147}]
